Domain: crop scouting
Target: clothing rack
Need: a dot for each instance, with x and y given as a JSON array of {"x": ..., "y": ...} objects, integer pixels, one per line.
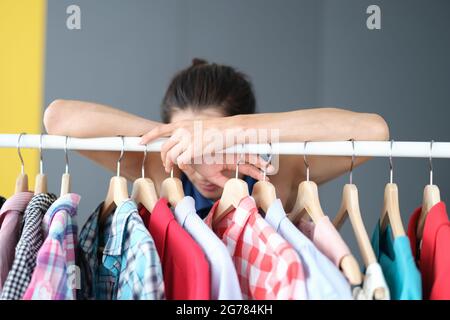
[{"x": 408, "y": 149}]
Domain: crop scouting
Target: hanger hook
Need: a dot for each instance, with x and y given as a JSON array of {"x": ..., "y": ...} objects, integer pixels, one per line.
[
  {"x": 41, "y": 161},
  {"x": 353, "y": 161},
  {"x": 121, "y": 155},
  {"x": 431, "y": 162},
  {"x": 20, "y": 154},
  {"x": 239, "y": 161},
  {"x": 305, "y": 161},
  {"x": 391, "y": 164},
  {"x": 268, "y": 162},
  {"x": 66, "y": 154},
  {"x": 143, "y": 163}
]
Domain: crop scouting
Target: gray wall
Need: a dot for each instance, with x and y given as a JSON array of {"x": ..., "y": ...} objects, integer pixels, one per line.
[{"x": 298, "y": 54}]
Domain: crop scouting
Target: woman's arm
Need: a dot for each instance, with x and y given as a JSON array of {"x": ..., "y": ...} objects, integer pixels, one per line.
[
  {"x": 88, "y": 120},
  {"x": 321, "y": 124}
]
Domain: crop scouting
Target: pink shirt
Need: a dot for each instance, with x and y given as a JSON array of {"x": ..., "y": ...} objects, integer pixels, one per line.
[
  {"x": 10, "y": 225},
  {"x": 326, "y": 238}
]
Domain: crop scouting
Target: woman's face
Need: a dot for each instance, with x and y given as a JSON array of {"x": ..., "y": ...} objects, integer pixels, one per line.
[{"x": 206, "y": 188}]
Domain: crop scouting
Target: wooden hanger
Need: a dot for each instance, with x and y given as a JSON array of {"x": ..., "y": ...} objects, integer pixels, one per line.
[
  {"x": 144, "y": 191},
  {"x": 117, "y": 191},
  {"x": 22, "y": 178},
  {"x": 40, "y": 185},
  {"x": 172, "y": 190},
  {"x": 308, "y": 201},
  {"x": 264, "y": 192},
  {"x": 391, "y": 208},
  {"x": 350, "y": 207},
  {"x": 65, "y": 179},
  {"x": 431, "y": 197},
  {"x": 234, "y": 191}
]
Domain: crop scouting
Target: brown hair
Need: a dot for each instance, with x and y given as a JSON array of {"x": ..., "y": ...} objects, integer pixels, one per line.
[{"x": 204, "y": 85}]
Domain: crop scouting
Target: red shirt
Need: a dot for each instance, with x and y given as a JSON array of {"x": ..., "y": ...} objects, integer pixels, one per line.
[
  {"x": 185, "y": 268},
  {"x": 434, "y": 260}
]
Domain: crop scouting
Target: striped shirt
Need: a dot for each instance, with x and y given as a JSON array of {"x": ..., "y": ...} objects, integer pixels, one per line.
[
  {"x": 54, "y": 277},
  {"x": 130, "y": 268}
]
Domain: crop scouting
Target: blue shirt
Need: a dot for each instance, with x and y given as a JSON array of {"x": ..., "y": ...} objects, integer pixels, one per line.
[
  {"x": 398, "y": 265},
  {"x": 130, "y": 267},
  {"x": 203, "y": 205},
  {"x": 323, "y": 279}
]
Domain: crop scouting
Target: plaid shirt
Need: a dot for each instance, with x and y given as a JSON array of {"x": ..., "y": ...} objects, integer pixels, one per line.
[
  {"x": 130, "y": 267},
  {"x": 29, "y": 244},
  {"x": 268, "y": 267},
  {"x": 56, "y": 258}
]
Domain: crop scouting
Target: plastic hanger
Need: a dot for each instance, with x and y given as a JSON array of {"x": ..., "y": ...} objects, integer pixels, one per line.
[
  {"x": 431, "y": 197},
  {"x": 144, "y": 191},
  {"x": 117, "y": 192},
  {"x": 391, "y": 208},
  {"x": 263, "y": 191},
  {"x": 65, "y": 179},
  {"x": 40, "y": 184},
  {"x": 350, "y": 207},
  {"x": 234, "y": 191},
  {"x": 22, "y": 178},
  {"x": 308, "y": 201}
]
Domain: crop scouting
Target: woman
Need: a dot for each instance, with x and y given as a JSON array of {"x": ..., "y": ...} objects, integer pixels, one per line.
[{"x": 222, "y": 99}]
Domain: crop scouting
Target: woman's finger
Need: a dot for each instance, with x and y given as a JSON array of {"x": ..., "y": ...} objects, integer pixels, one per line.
[
  {"x": 185, "y": 157},
  {"x": 169, "y": 144},
  {"x": 158, "y": 132},
  {"x": 252, "y": 171},
  {"x": 173, "y": 154}
]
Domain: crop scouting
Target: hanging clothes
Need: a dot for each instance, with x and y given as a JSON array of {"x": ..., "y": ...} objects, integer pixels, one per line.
[
  {"x": 55, "y": 261},
  {"x": 373, "y": 280},
  {"x": 185, "y": 268},
  {"x": 324, "y": 281},
  {"x": 203, "y": 205},
  {"x": 11, "y": 215},
  {"x": 224, "y": 280},
  {"x": 129, "y": 267},
  {"x": 30, "y": 242},
  {"x": 432, "y": 256},
  {"x": 326, "y": 238},
  {"x": 267, "y": 266},
  {"x": 398, "y": 265}
]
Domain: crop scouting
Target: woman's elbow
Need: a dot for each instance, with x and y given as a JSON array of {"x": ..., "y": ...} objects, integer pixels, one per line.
[
  {"x": 376, "y": 128},
  {"x": 52, "y": 116}
]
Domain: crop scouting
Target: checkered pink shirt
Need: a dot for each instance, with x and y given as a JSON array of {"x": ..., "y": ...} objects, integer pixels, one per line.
[
  {"x": 55, "y": 276},
  {"x": 268, "y": 267}
]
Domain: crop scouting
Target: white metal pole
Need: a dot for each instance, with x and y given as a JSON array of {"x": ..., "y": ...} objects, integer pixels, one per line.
[{"x": 328, "y": 148}]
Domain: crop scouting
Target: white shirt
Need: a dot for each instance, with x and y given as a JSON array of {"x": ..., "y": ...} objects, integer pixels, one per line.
[
  {"x": 324, "y": 281},
  {"x": 373, "y": 279},
  {"x": 224, "y": 280}
]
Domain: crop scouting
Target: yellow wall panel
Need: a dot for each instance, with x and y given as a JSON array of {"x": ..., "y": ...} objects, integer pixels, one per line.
[{"x": 22, "y": 43}]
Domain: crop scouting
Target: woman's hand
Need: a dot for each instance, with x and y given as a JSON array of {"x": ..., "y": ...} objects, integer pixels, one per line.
[{"x": 194, "y": 143}]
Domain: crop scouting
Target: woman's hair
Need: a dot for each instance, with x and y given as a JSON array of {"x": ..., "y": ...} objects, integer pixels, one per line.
[{"x": 209, "y": 85}]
